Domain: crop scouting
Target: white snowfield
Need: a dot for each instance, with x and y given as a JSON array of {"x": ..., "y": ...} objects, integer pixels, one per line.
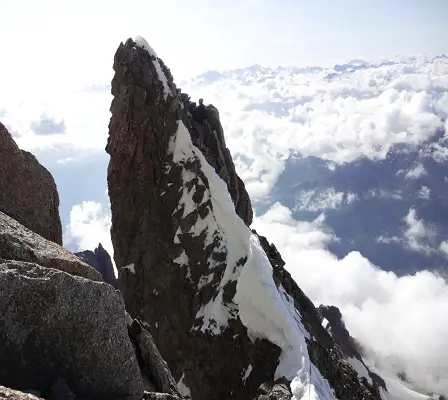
[
  {"x": 266, "y": 311},
  {"x": 360, "y": 368}
]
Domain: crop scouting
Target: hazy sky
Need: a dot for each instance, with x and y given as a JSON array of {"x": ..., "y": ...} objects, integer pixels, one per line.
[{"x": 73, "y": 42}]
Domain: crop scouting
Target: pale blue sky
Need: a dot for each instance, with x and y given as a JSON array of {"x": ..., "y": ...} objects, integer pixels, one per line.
[{"x": 73, "y": 42}]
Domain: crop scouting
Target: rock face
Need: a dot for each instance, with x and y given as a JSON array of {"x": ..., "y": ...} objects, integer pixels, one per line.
[
  {"x": 19, "y": 243},
  {"x": 223, "y": 311},
  {"x": 101, "y": 261},
  {"x": 153, "y": 366},
  {"x": 56, "y": 326},
  {"x": 334, "y": 324},
  {"x": 27, "y": 190}
]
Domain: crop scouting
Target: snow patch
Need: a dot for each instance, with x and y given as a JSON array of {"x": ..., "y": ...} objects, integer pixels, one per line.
[
  {"x": 205, "y": 280},
  {"x": 182, "y": 259},
  {"x": 141, "y": 42},
  {"x": 130, "y": 268},
  {"x": 360, "y": 369},
  {"x": 246, "y": 374},
  {"x": 326, "y": 325},
  {"x": 183, "y": 389}
]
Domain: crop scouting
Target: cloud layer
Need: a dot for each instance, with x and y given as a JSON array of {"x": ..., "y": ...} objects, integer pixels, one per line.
[
  {"x": 338, "y": 114},
  {"x": 89, "y": 224}
]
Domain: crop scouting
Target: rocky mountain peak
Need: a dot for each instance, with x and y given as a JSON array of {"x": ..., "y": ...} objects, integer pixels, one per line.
[
  {"x": 100, "y": 259},
  {"x": 225, "y": 314}
]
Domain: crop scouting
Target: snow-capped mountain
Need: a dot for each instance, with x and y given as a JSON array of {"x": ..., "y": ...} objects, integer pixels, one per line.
[{"x": 224, "y": 312}]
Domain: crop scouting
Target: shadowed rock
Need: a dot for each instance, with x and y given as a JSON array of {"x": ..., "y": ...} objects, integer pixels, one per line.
[
  {"x": 349, "y": 346},
  {"x": 151, "y": 362},
  {"x": 101, "y": 261},
  {"x": 209, "y": 138},
  {"x": 27, "y": 190}
]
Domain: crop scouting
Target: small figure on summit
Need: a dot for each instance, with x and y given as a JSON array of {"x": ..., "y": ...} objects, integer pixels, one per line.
[{"x": 199, "y": 113}]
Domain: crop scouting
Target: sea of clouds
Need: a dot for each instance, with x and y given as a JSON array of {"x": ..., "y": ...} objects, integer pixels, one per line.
[{"x": 337, "y": 114}]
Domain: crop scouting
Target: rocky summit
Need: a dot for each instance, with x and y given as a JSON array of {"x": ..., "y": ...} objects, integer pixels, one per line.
[
  {"x": 101, "y": 261},
  {"x": 224, "y": 313}
]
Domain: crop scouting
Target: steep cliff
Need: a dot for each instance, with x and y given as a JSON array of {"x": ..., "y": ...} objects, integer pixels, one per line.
[{"x": 225, "y": 314}]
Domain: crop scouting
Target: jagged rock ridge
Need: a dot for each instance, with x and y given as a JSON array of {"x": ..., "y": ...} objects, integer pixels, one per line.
[
  {"x": 187, "y": 263},
  {"x": 101, "y": 261},
  {"x": 27, "y": 190}
]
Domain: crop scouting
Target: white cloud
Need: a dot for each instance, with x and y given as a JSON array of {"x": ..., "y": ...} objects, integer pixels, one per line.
[
  {"x": 401, "y": 320},
  {"x": 417, "y": 231},
  {"x": 424, "y": 193},
  {"x": 89, "y": 225},
  {"x": 321, "y": 201},
  {"x": 415, "y": 235},
  {"x": 384, "y": 194},
  {"x": 59, "y": 118},
  {"x": 416, "y": 172},
  {"x": 444, "y": 247},
  {"x": 267, "y": 113}
]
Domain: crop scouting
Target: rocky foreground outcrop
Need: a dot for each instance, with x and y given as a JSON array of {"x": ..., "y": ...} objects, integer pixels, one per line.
[
  {"x": 64, "y": 333},
  {"x": 101, "y": 261},
  {"x": 224, "y": 313},
  {"x": 21, "y": 244},
  {"x": 27, "y": 190},
  {"x": 45, "y": 337}
]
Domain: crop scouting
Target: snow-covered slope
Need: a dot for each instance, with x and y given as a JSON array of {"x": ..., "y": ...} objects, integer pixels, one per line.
[{"x": 267, "y": 311}]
